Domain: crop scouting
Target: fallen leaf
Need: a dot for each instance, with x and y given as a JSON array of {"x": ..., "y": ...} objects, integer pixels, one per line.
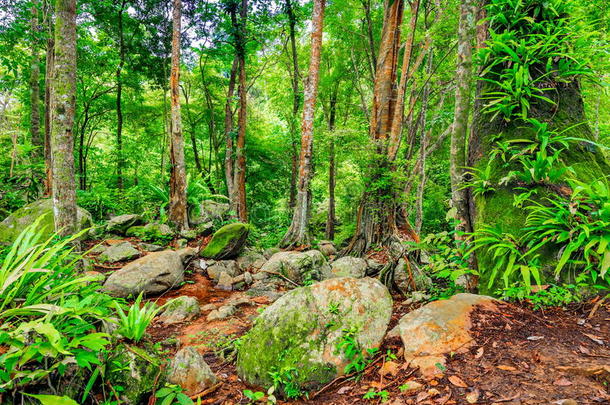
[
  {"x": 584, "y": 350},
  {"x": 506, "y": 368},
  {"x": 594, "y": 338},
  {"x": 480, "y": 352},
  {"x": 389, "y": 368},
  {"x": 343, "y": 390},
  {"x": 422, "y": 396},
  {"x": 473, "y": 397},
  {"x": 562, "y": 382},
  {"x": 433, "y": 383},
  {"x": 534, "y": 338},
  {"x": 433, "y": 392},
  {"x": 457, "y": 381}
]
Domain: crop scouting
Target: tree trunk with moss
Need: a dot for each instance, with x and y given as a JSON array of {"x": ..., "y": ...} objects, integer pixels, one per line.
[
  {"x": 298, "y": 233},
  {"x": 63, "y": 104},
  {"x": 495, "y": 206},
  {"x": 34, "y": 83},
  {"x": 177, "y": 194},
  {"x": 239, "y": 187},
  {"x": 50, "y": 46}
]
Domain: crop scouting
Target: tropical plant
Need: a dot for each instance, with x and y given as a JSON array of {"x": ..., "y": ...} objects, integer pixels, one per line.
[{"x": 133, "y": 323}]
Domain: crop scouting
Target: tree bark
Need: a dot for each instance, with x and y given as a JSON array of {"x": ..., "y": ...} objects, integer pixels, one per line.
[
  {"x": 63, "y": 104},
  {"x": 419, "y": 212},
  {"x": 50, "y": 52},
  {"x": 296, "y": 102},
  {"x": 459, "y": 136},
  {"x": 178, "y": 215},
  {"x": 119, "y": 95},
  {"x": 229, "y": 161},
  {"x": 34, "y": 83},
  {"x": 298, "y": 232},
  {"x": 332, "y": 171},
  {"x": 240, "y": 144}
]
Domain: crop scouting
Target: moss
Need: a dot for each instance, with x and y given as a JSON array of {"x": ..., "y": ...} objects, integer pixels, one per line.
[{"x": 227, "y": 242}]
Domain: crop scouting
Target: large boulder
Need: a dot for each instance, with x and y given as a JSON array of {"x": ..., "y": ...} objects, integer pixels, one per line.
[
  {"x": 347, "y": 266},
  {"x": 121, "y": 223},
  {"x": 303, "y": 334},
  {"x": 300, "y": 267},
  {"x": 118, "y": 253},
  {"x": 12, "y": 225},
  {"x": 227, "y": 242},
  {"x": 439, "y": 328},
  {"x": 189, "y": 370},
  {"x": 152, "y": 274},
  {"x": 327, "y": 248},
  {"x": 208, "y": 211}
]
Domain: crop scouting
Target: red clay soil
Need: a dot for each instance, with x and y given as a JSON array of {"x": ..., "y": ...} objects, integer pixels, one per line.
[{"x": 519, "y": 357}]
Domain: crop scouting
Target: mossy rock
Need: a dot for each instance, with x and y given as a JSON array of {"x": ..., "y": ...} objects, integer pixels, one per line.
[
  {"x": 227, "y": 242},
  {"x": 137, "y": 369},
  {"x": 299, "y": 335},
  {"x": 153, "y": 232},
  {"x": 12, "y": 225}
]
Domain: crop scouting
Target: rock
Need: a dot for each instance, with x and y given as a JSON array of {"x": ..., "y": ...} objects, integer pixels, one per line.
[
  {"x": 222, "y": 266},
  {"x": 404, "y": 281},
  {"x": 136, "y": 370},
  {"x": 225, "y": 282},
  {"x": 181, "y": 243},
  {"x": 149, "y": 247},
  {"x": 373, "y": 266},
  {"x": 180, "y": 309},
  {"x": 327, "y": 248},
  {"x": 118, "y": 253},
  {"x": 205, "y": 229},
  {"x": 189, "y": 234},
  {"x": 208, "y": 211},
  {"x": 152, "y": 274},
  {"x": 300, "y": 267},
  {"x": 227, "y": 242},
  {"x": 152, "y": 232},
  {"x": 270, "y": 252},
  {"x": 223, "y": 312},
  {"x": 251, "y": 260},
  {"x": 303, "y": 330},
  {"x": 208, "y": 307},
  {"x": 439, "y": 328},
  {"x": 248, "y": 278},
  {"x": 189, "y": 370},
  {"x": 97, "y": 249},
  {"x": 121, "y": 223},
  {"x": 12, "y": 225},
  {"x": 347, "y": 267},
  {"x": 268, "y": 288},
  {"x": 186, "y": 253}
]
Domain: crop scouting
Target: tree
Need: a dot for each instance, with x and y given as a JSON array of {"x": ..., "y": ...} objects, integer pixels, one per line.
[
  {"x": 298, "y": 233},
  {"x": 296, "y": 101},
  {"x": 50, "y": 56},
  {"x": 34, "y": 81},
  {"x": 239, "y": 187},
  {"x": 119, "y": 95},
  {"x": 63, "y": 104},
  {"x": 178, "y": 214}
]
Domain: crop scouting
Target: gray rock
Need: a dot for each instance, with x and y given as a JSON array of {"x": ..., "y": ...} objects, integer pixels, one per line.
[
  {"x": 189, "y": 370},
  {"x": 209, "y": 211},
  {"x": 118, "y": 253},
  {"x": 222, "y": 266},
  {"x": 208, "y": 307},
  {"x": 248, "y": 278},
  {"x": 300, "y": 267},
  {"x": 186, "y": 253},
  {"x": 225, "y": 282},
  {"x": 270, "y": 252},
  {"x": 152, "y": 274},
  {"x": 223, "y": 312},
  {"x": 405, "y": 280},
  {"x": 25, "y": 216},
  {"x": 149, "y": 247},
  {"x": 347, "y": 267},
  {"x": 189, "y": 234},
  {"x": 303, "y": 329},
  {"x": 373, "y": 266},
  {"x": 121, "y": 223},
  {"x": 181, "y": 243},
  {"x": 327, "y": 248},
  {"x": 260, "y": 276},
  {"x": 250, "y": 260},
  {"x": 97, "y": 249},
  {"x": 180, "y": 309}
]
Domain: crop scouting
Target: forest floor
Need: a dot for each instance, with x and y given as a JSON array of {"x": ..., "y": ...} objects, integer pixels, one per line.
[{"x": 519, "y": 356}]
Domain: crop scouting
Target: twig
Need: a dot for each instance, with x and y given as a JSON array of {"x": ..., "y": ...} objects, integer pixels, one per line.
[
  {"x": 596, "y": 307},
  {"x": 282, "y": 276},
  {"x": 207, "y": 391}
]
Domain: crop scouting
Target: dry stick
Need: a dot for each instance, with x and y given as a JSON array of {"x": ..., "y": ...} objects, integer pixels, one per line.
[
  {"x": 207, "y": 391},
  {"x": 596, "y": 307},
  {"x": 282, "y": 276}
]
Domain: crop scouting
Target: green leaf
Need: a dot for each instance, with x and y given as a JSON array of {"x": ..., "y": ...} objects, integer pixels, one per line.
[{"x": 52, "y": 399}]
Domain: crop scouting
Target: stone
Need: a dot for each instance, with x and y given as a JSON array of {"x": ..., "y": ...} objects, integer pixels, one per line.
[
  {"x": 327, "y": 248},
  {"x": 347, "y": 266},
  {"x": 182, "y": 243},
  {"x": 225, "y": 282},
  {"x": 152, "y": 274},
  {"x": 180, "y": 309},
  {"x": 149, "y": 247},
  {"x": 250, "y": 260},
  {"x": 227, "y": 242},
  {"x": 121, "y": 223},
  {"x": 205, "y": 229},
  {"x": 97, "y": 249},
  {"x": 152, "y": 232},
  {"x": 186, "y": 253},
  {"x": 208, "y": 307},
  {"x": 223, "y": 312},
  {"x": 215, "y": 269},
  {"x": 248, "y": 278},
  {"x": 189, "y": 370},
  {"x": 189, "y": 234},
  {"x": 303, "y": 331},
  {"x": 209, "y": 211},
  {"x": 410, "y": 278},
  {"x": 25, "y": 216},
  {"x": 267, "y": 253},
  {"x": 118, "y": 253},
  {"x": 373, "y": 266},
  {"x": 136, "y": 369},
  {"x": 439, "y": 328},
  {"x": 300, "y": 267}
]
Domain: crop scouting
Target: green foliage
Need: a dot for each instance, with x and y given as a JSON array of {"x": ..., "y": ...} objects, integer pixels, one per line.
[
  {"x": 384, "y": 396},
  {"x": 350, "y": 347},
  {"x": 133, "y": 324},
  {"x": 286, "y": 381},
  {"x": 172, "y": 394},
  {"x": 553, "y": 296},
  {"x": 254, "y": 396},
  {"x": 53, "y": 399}
]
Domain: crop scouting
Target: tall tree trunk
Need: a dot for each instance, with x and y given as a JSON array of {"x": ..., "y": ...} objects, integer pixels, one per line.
[
  {"x": 178, "y": 215},
  {"x": 296, "y": 103},
  {"x": 50, "y": 53},
  {"x": 119, "y": 95},
  {"x": 419, "y": 202},
  {"x": 63, "y": 104},
  {"x": 229, "y": 160},
  {"x": 332, "y": 171},
  {"x": 34, "y": 83},
  {"x": 459, "y": 136},
  {"x": 240, "y": 144},
  {"x": 298, "y": 232}
]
